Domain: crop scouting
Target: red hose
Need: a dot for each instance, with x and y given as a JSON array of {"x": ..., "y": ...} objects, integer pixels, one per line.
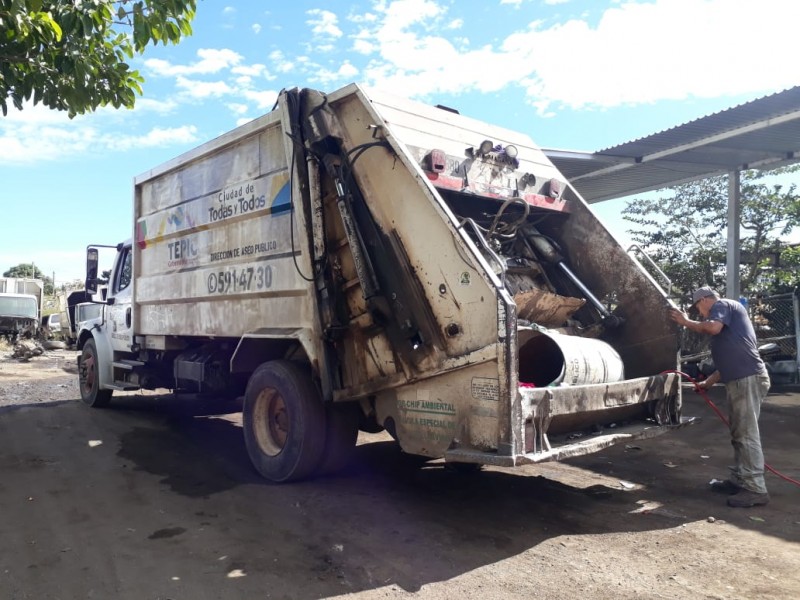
[{"x": 714, "y": 407}]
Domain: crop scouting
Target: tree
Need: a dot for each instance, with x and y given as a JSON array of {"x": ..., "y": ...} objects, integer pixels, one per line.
[
  {"x": 30, "y": 271},
  {"x": 787, "y": 271},
  {"x": 70, "y": 54},
  {"x": 686, "y": 233}
]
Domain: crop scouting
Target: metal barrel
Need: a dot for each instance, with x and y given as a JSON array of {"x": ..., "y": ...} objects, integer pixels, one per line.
[{"x": 549, "y": 358}]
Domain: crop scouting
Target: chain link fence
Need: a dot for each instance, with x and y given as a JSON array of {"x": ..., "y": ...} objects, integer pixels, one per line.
[{"x": 776, "y": 320}]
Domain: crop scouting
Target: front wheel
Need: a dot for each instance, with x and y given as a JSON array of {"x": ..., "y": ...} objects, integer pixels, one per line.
[
  {"x": 284, "y": 421},
  {"x": 88, "y": 378}
]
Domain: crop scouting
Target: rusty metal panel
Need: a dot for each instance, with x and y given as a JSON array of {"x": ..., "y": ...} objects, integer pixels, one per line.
[
  {"x": 461, "y": 407},
  {"x": 400, "y": 200},
  {"x": 648, "y": 340}
]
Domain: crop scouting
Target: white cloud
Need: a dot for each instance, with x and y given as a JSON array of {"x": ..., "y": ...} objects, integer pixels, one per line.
[
  {"x": 701, "y": 56},
  {"x": 347, "y": 71},
  {"x": 401, "y": 14},
  {"x": 367, "y": 17},
  {"x": 35, "y": 115},
  {"x": 636, "y": 52},
  {"x": 194, "y": 88},
  {"x": 363, "y": 44},
  {"x": 253, "y": 70},
  {"x": 280, "y": 63},
  {"x": 155, "y": 138},
  {"x": 326, "y": 77},
  {"x": 405, "y": 38},
  {"x": 324, "y": 22},
  {"x": 256, "y": 27},
  {"x": 28, "y": 143},
  {"x": 211, "y": 61},
  {"x": 264, "y": 99},
  {"x": 161, "y": 107},
  {"x": 237, "y": 108}
]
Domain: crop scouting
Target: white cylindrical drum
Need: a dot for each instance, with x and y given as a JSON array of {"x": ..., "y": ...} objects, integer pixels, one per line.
[{"x": 549, "y": 358}]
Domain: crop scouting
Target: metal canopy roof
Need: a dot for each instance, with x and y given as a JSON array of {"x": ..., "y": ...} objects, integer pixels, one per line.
[{"x": 761, "y": 134}]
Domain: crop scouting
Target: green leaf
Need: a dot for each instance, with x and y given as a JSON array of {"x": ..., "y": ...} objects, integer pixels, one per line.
[{"x": 73, "y": 54}]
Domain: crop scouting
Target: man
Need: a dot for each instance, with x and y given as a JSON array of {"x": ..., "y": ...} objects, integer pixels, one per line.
[{"x": 739, "y": 366}]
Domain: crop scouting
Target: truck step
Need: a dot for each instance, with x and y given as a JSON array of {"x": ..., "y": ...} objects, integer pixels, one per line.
[{"x": 128, "y": 364}]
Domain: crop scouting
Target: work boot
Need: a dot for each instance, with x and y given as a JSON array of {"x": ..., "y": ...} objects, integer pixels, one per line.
[
  {"x": 746, "y": 499},
  {"x": 725, "y": 487}
]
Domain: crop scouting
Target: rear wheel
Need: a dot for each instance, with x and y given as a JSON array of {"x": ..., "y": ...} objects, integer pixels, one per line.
[
  {"x": 284, "y": 421},
  {"x": 88, "y": 379}
]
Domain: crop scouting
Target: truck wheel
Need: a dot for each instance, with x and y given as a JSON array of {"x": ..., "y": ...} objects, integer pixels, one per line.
[
  {"x": 284, "y": 421},
  {"x": 88, "y": 379},
  {"x": 340, "y": 439}
]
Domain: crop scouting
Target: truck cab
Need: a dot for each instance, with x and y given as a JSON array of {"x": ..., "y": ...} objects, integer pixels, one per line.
[{"x": 19, "y": 315}]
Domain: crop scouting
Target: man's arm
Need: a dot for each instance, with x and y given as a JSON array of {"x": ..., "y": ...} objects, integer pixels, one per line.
[
  {"x": 709, "y": 381},
  {"x": 707, "y": 327}
]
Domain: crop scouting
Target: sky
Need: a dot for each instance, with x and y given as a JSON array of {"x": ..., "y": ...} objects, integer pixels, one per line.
[{"x": 572, "y": 74}]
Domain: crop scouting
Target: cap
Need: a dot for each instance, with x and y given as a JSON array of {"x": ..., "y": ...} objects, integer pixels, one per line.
[{"x": 701, "y": 293}]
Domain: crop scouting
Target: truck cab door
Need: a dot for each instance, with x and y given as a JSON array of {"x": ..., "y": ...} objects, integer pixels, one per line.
[{"x": 120, "y": 294}]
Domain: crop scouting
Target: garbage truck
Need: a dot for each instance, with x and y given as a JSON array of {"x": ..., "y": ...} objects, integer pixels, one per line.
[{"x": 352, "y": 261}]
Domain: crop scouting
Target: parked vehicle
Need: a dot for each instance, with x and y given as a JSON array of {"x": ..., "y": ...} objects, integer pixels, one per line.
[
  {"x": 51, "y": 323},
  {"x": 352, "y": 260},
  {"x": 75, "y": 306},
  {"x": 20, "y": 306}
]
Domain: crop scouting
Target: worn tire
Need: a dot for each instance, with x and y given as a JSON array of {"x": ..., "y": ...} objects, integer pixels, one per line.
[
  {"x": 284, "y": 421},
  {"x": 88, "y": 383},
  {"x": 341, "y": 436}
]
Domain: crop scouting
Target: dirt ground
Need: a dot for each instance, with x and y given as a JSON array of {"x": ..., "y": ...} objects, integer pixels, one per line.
[{"x": 142, "y": 501}]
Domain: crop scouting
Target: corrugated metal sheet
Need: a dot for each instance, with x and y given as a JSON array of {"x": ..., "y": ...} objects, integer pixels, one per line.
[{"x": 763, "y": 133}]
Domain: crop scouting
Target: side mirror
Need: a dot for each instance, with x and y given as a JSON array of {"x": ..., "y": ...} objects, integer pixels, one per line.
[{"x": 92, "y": 260}]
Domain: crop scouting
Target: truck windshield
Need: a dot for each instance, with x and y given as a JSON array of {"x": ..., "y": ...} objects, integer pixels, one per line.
[{"x": 18, "y": 307}]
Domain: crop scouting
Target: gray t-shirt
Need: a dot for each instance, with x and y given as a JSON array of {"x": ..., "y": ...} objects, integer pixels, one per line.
[{"x": 734, "y": 349}]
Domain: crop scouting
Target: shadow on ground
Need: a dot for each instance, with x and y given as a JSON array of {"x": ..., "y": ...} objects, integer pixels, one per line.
[{"x": 137, "y": 501}]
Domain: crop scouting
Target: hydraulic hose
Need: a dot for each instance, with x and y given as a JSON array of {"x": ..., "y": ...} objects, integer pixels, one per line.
[{"x": 716, "y": 409}]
